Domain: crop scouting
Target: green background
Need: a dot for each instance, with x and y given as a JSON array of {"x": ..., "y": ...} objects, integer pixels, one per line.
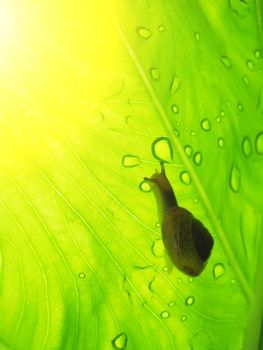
[{"x": 92, "y": 97}]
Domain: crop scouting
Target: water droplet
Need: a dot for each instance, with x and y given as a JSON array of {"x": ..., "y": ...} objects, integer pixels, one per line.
[
  {"x": 145, "y": 186},
  {"x": 120, "y": 341},
  {"x": 189, "y": 301},
  {"x": 161, "y": 28},
  {"x": 175, "y": 85},
  {"x": 195, "y": 200},
  {"x": 245, "y": 80},
  {"x": 157, "y": 225},
  {"x": 144, "y": 33},
  {"x": 162, "y": 149},
  {"x": 205, "y": 124},
  {"x": 235, "y": 178},
  {"x": 233, "y": 281},
  {"x": 259, "y": 143},
  {"x": 158, "y": 248},
  {"x": 218, "y": 119},
  {"x": 185, "y": 178},
  {"x": 246, "y": 146},
  {"x": 179, "y": 280},
  {"x": 177, "y": 123},
  {"x": 198, "y": 158},
  {"x": 257, "y": 53},
  {"x": 130, "y": 161},
  {"x": 250, "y": 65},
  {"x": 240, "y": 107},
  {"x": 226, "y": 62},
  {"x": 175, "y": 109},
  {"x": 165, "y": 269},
  {"x": 176, "y": 132},
  {"x": 190, "y": 279},
  {"x": 222, "y": 113},
  {"x": 165, "y": 314},
  {"x": 172, "y": 303},
  {"x": 218, "y": 270},
  {"x": 155, "y": 74},
  {"x": 183, "y": 318},
  {"x": 188, "y": 151},
  {"x": 197, "y": 36},
  {"x": 221, "y": 142},
  {"x": 82, "y": 275},
  {"x": 193, "y": 133}
]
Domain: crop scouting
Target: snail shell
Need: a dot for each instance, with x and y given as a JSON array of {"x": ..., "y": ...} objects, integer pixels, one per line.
[{"x": 186, "y": 240}]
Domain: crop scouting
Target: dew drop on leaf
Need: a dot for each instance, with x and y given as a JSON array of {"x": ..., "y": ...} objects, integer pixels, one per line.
[
  {"x": 257, "y": 53},
  {"x": 172, "y": 303},
  {"x": 155, "y": 74},
  {"x": 222, "y": 113},
  {"x": 246, "y": 146},
  {"x": 82, "y": 275},
  {"x": 240, "y": 107},
  {"x": 162, "y": 149},
  {"x": 193, "y": 133},
  {"x": 175, "y": 109},
  {"x": 198, "y": 158},
  {"x": 158, "y": 248},
  {"x": 259, "y": 143},
  {"x": 221, "y": 142},
  {"x": 165, "y": 314},
  {"x": 176, "y": 132},
  {"x": 130, "y": 161},
  {"x": 183, "y": 318},
  {"x": 161, "y": 28},
  {"x": 188, "y": 151},
  {"x": 179, "y": 280},
  {"x": 190, "y": 279},
  {"x": 157, "y": 224},
  {"x": 185, "y": 178},
  {"x": 120, "y": 341},
  {"x": 145, "y": 186},
  {"x": 250, "y": 65},
  {"x": 205, "y": 124},
  {"x": 245, "y": 80},
  {"x": 189, "y": 301},
  {"x": 218, "y": 270},
  {"x": 226, "y": 62},
  {"x": 175, "y": 85},
  {"x": 235, "y": 178},
  {"x": 165, "y": 269},
  {"x": 218, "y": 119},
  {"x": 144, "y": 33},
  {"x": 195, "y": 200},
  {"x": 197, "y": 36}
]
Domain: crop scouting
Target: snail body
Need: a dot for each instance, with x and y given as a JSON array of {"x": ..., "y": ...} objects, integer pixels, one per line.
[{"x": 187, "y": 241}]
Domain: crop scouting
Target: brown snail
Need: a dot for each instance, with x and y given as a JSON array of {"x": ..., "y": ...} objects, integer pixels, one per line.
[{"x": 187, "y": 241}]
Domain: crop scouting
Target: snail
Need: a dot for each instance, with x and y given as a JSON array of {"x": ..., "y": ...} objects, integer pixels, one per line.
[{"x": 187, "y": 241}]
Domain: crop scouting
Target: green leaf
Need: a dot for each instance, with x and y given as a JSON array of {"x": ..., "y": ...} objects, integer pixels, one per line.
[{"x": 93, "y": 96}]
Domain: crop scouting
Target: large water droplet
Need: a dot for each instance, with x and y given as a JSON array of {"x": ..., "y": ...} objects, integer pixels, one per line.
[
  {"x": 246, "y": 146},
  {"x": 175, "y": 85},
  {"x": 218, "y": 270},
  {"x": 188, "y": 151},
  {"x": 130, "y": 161},
  {"x": 221, "y": 142},
  {"x": 198, "y": 158},
  {"x": 197, "y": 36},
  {"x": 158, "y": 248},
  {"x": 185, "y": 178},
  {"x": 189, "y": 301},
  {"x": 259, "y": 143},
  {"x": 144, "y": 33},
  {"x": 165, "y": 314},
  {"x": 120, "y": 341},
  {"x": 235, "y": 178},
  {"x": 155, "y": 74},
  {"x": 257, "y": 53},
  {"x": 145, "y": 186},
  {"x": 175, "y": 109},
  {"x": 250, "y": 65},
  {"x": 162, "y": 149},
  {"x": 226, "y": 62},
  {"x": 205, "y": 124}
]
